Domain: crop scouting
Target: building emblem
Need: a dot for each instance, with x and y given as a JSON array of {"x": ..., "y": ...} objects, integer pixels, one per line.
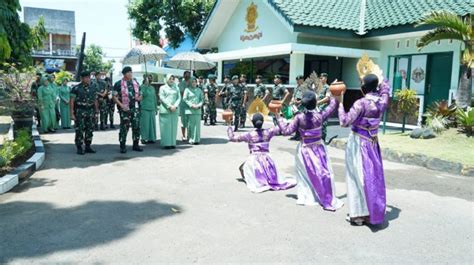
[
  {"x": 418, "y": 75},
  {"x": 251, "y": 18}
]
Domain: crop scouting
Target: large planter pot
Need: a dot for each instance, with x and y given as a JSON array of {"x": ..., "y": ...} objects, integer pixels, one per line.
[
  {"x": 22, "y": 120},
  {"x": 337, "y": 88}
]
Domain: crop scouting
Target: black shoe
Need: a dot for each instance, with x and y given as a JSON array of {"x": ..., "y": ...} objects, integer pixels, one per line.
[
  {"x": 97, "y": 127},
  {"x": 80, "y": 151},
  {"x": 136, "y": 147},
  {"x": 112, "y": 126},
  {"x": 102, "y": 127},
  {"x": 206, "y": 124},
  {"x": 89, "y": 150},
  {"x": 123, "y": 148}
]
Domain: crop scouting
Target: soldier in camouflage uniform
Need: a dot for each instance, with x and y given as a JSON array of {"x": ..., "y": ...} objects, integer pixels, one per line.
[
  {"x": 202, "y": 86},
  {"x": 260, "y": 89},
  {"x": 243, "y": 113},
  {"x": 210, "y": 93},
  {"x": 84, "y": 107},
  {"x": 110, "y": 104},
  {"x": 127, "y": 97},
  {"x": 237, "y": 99},
  {"x": 102, "y": 92},
  {"x": 323, "y": 101},
  {"x": 223, "y": 92},
  {"x": 300, "y": 89},
  {"x": 280, "y": 93}
]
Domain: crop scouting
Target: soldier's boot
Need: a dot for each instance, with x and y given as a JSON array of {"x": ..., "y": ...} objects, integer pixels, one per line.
[
  {"x": 102, "y": 127},
  {"x": 79, "y": 151},
  {"x": 205, "y": 121},
  {"x": 236, "y": 125},
  {"x": 96, "y": 127},
  {"x": 89, "y": 150},
  {"x": 123, "y": 148},
  {"x": 112, "y": 125},
  {"x": 136, "y": 147}
]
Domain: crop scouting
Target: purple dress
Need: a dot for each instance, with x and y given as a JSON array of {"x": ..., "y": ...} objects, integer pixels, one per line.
[
  {"x": 259, "y": 169},
  {"x": 313, "y": 167},
  {"x": 364, "y": 168}
]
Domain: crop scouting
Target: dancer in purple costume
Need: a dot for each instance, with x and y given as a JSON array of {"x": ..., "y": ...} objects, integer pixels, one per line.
[
  {"x": 313, "y": 167},
  {"x": 364, "y": 169},
  {"x": 259, "y": 170}
]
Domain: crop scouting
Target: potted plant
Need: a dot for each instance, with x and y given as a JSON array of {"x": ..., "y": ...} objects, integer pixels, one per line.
[
  {"x": 16, "y": 95},
  {"x": 407, "y": 103}
]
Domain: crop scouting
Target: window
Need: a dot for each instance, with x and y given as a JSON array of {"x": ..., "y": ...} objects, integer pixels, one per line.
[
  {"x": 398, "y": 44},
  {"x": 268, "y": 67},
  {"x": 407, "y": 43}
]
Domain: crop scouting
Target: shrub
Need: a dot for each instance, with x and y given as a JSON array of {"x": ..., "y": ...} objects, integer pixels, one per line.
[
  {"x": 12, "y": 149},
  {"x": 437, "y": 123},
  {"x": 466, "y": 119},
  {"x": 407, "y": 103},
  {"x": 442, "y": 109}
]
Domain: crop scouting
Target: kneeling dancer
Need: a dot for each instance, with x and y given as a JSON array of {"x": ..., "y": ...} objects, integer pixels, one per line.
[{"x": 259, "y": 170}]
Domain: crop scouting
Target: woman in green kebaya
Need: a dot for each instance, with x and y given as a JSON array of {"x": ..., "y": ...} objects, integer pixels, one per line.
[
  {"x": 148, "y": 111},
  {"x": 46, "y": 105},
  {"x": 64, "y": 96},
  {"x": 170, "y": 98},
  {"x": 194, "y": 99}
]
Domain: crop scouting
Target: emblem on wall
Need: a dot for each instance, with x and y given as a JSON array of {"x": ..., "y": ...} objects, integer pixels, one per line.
[
  {"x": 251, "y": 18},
  {"x": 418, "y": 75},
  {"x": 252, "y": 27}
]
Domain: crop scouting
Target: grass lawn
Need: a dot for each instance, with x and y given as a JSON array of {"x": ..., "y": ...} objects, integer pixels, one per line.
[{"x": 449, "y": 145}]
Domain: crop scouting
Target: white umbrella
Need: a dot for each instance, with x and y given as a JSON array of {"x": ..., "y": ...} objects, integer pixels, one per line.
[
  {"x": 191, "y": 61},
  {"x": 143, "y": 53}
]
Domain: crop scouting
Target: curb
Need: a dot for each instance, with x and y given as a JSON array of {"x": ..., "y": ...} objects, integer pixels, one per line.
[
  {"x": 25, "y": 170},
  {"x": 418, "y": 160}
]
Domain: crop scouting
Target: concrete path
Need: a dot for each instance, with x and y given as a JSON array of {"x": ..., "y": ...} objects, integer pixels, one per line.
[{"x": 188, "y": 205}]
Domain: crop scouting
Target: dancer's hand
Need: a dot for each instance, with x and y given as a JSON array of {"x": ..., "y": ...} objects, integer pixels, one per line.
[{"x": 172, "y": 108}]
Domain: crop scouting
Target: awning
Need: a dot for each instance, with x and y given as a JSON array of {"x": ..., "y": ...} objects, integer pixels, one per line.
[{"x": 289, "y": 48}]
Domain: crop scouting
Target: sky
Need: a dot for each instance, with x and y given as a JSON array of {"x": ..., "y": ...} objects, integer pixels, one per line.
[{"x": 105, "y": 22}]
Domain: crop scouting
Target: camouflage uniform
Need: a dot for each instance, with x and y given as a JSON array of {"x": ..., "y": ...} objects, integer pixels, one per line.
[
  {"x": 260, "y": 91},
  {"x": 210, "y": 105},
  {"x": 243, "y": 113},
  {"x": 130, "y": 118},
  {"x": 110, "y": 109},
  {"x": 103, "y": 108},
  {"x": 85, "y": 98},
  {"x": 236, "y": 96},
  {"x": 324, "y": 93},
  {"x": 223, "y": 90}
]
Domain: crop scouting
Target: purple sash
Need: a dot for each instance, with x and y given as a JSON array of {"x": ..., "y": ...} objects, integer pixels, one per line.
[{"x": 263, "y": 147}]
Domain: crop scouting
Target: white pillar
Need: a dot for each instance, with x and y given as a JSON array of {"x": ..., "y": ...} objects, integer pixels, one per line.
[
  {"x": 51, "y": 43},
  {"x": 219, "y": 71},
  {"x": 296, "y": 66}
]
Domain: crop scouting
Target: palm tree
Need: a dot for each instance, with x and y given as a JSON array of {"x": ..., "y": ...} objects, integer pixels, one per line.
[{"x": 449, "y": 26}]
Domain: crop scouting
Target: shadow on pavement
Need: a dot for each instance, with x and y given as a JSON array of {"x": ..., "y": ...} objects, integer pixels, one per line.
[
  {"x": 32, "y": 183},
  {"x": 31, "y": 229},
  {"x": 391, "y": 214}
]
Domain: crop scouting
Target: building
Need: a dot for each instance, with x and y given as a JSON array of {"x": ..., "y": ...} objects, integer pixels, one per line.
[
  {"x": 292, "y": 37},
  {"x": 59, "y": 50}
]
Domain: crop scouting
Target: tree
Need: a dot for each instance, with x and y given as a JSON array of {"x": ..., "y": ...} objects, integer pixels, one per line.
[
  {"x": 175, "y": 17},
  {"x": 93, "y": 59},
  {"x": 449, "y": 26},
  {"x": 17, "y": 39}
]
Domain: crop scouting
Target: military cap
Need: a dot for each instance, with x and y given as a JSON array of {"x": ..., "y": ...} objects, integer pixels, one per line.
[
  {"x": 235, "y": 77},
  {"x": 323, "y": 75},
  {"x": 299, "y": 77},
  {"x": 211, "y": 76}
]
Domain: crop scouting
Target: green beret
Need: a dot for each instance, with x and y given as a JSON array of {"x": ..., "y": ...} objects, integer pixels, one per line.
[
  {"x": 259, "y": 77},
  {"x": 235, "y": 77},
  {"x": 323, "y": 75},
  {"x": 227, "y": 76},
  {"x": 126, "y": 69},
  {"x": 278, "y": 76},
  {"x": 299, "y": 77},
  {"x": 211, "y": 76}
]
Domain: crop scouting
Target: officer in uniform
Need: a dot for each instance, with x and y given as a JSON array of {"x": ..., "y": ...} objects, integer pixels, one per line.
[
  {"x": 110, "y": 104},
  {"x": 237, "y": 99},
  {"x": 102, "y": 92},
  {"x": 84, "y": 107},
  {"x": 300, "y": 89},
  {"x": 127, "y": 97},
  {"x": 243, "y": 113},
  {"x": 210, "y": 93},
  {"x": 280, "y": 93},
  {"x": 260, "y": 89},
  {"x": 323, "y": 101},
  {"x": 223, "y": 92}
]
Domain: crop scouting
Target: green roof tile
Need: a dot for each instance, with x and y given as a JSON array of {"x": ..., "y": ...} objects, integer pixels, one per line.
[{"x": 345, "y": 14}]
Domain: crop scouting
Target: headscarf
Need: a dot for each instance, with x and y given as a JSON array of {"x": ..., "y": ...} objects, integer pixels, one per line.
[
  {"x": 168, "y": 76},
  {"x": 309, "y": 100},
  {"x": 257, "y": 120},
  {"x": 370, "y": 83},
  {"x": 43, "y": 80}
]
